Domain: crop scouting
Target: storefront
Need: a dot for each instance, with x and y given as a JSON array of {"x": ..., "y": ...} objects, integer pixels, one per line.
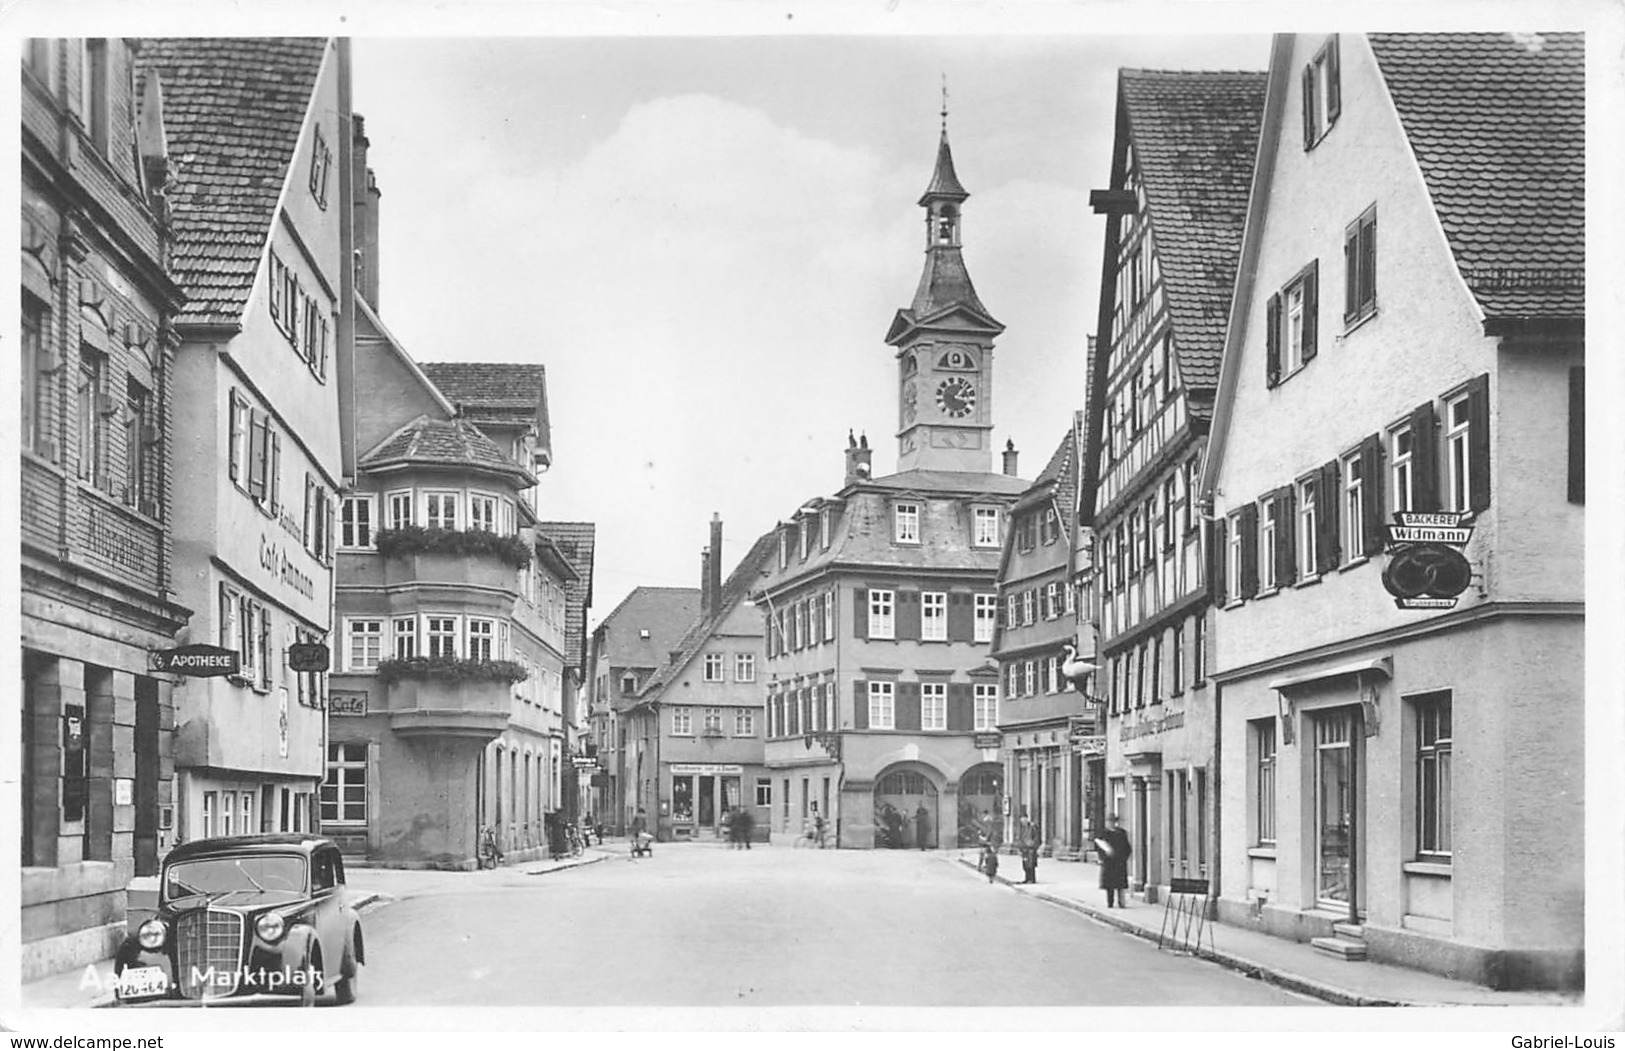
[{"x": 699, "y": 798}]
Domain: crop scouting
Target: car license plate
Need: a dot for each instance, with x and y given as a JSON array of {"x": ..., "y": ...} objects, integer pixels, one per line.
[{"x": 137, "y": 982}]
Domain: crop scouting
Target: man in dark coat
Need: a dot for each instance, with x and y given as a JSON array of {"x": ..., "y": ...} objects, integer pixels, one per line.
[
  {"x": 922, "y": 826},
  {"x": 1115, "y": 851},
  {"x": 1029, "y": 839}
]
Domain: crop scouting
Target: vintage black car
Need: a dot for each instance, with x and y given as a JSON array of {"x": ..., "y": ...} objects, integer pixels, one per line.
[{"x": 246, "y": 920}]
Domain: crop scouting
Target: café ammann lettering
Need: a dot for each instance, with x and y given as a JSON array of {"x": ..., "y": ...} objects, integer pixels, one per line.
[{"x": 1171, "y": 721}]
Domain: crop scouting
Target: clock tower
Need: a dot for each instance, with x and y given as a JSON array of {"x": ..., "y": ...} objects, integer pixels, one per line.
[{"x": 944, "y": 344}]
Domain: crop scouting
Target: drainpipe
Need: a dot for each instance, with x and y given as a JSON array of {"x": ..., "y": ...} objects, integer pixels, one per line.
[{"x": 1215, "y": 789}]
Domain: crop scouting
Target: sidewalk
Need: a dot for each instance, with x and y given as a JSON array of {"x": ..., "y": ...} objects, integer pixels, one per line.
[
  {"x": 1292, "y": 965},
  {"x": 370, "y": 888}
]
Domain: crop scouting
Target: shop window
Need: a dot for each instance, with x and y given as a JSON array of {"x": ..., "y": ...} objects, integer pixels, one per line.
[
  {"x": 1433, "y": 777},
  {"x": 1263, "y": 732}
]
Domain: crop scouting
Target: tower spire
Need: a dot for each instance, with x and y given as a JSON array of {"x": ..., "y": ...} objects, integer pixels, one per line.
[{"x": 945, "y": 105}]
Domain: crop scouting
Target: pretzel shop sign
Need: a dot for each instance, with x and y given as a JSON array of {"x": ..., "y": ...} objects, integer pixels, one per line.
[{"x": 1426, "y": 568}]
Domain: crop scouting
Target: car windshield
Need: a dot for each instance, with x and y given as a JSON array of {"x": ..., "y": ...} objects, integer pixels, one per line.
[{"x": 257, "y": 873}]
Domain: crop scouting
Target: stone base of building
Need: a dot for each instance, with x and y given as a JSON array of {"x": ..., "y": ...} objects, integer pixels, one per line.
[
  {"x": 1506, "y": 969},
  {"x": 71, "y": 951}
]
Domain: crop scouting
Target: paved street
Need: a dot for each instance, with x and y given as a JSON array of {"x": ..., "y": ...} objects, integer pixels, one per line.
[{"x": 705, "y": 926}]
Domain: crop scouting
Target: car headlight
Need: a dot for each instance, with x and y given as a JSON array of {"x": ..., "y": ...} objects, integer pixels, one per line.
[
  {"x": 151, "y": 934},
  {"x": 270, "y": 926}
]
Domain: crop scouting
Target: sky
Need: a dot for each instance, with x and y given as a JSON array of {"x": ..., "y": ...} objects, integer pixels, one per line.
[{"x": 704, "y": 240}]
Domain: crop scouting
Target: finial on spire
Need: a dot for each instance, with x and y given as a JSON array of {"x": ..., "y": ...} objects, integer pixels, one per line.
[{"x": 945, "y": 103}]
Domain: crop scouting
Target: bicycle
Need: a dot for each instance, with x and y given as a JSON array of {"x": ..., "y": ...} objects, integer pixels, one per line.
[
  {"x": 812, "y": 835},
  {"x": 574, "y": 837},
  {"x": 488, "y": 854}
]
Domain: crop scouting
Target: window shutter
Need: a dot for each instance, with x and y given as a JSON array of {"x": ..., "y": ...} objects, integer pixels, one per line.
[
  {"x": 1272, "y": 341},
  {"x": 1424, "y": 459},
  {"x": 908, "y": 615},
  {"x": 1351, "y": 272},
  {"x": 1311, "y": 309},
  {"x": 961, "y": 716},
  {"x": 1334, "y": 90},
  {"x": 860, "y": 704},
  {"x": 860, "y": 613},
  {"x": 1283, "y": 508},
  {"x": 1577, "y": 434},
  {"x": 1308, "y": 80},
  {"x": 225, "y": 618},
  {"x": 1247, "y": 524},
  {"x": 1368, "y": 262},
  {"x": 1478, "y": 442},
  {"x": 908, "y": 706},
  {"x": 1371, "y": 532},
  {"x": 231, "y": 436},
  {"x": 1329, "y": 498},
  {"x": 274, "y": 483},
  {"x": 1215, "y": 572},
  {"x": 961, "y": 617},
  {"x": 258, "y": 433}
]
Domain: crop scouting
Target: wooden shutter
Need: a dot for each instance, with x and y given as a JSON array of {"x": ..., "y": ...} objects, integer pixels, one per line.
[
  {"x": 1272, "y": 341},
  {"x": 1368, "y": 262},
  {"x": 908, "y": 616},
  {"x": 860, "y": 613},
  {"x": 908, "y": 706},
  {"x": 1330, "y": 499},
  {"x": 1334, "y": 90},
  {"x": 226, "y": 608},
  {"x": 961, "y": 616},
  {"x": 1308, "y": 80},
  {"x": 1577, "y": 434},
  {"x": 274, "y": 483},
  {"x": 860, "y": 704},
  {"x": 1247, "y": 526},
  {"x": 258, "y": 434},
  {"x": 961, "y": 717},
  {"x": 233, "y": 468},
  {"x": 1478, "y": 442},
  {"x": 1371, "y": 531},
  {"x": 1311, "y": 309},
  {"x": 1283, "y": 511},
  {"x": 1424, "y": 459},
  {"x": 1215, "y": 560},
  {"x": 1351, "y": 272}
]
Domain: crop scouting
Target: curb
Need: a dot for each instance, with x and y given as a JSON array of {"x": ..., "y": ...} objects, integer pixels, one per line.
[
  {"x": 1251, "y": 968},
  {"x": 572, "y": 864}
]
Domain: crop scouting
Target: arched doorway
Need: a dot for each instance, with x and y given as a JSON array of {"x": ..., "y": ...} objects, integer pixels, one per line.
[
  {"x": 981, "y": 791},
  {"x": 900, "y": 795}
]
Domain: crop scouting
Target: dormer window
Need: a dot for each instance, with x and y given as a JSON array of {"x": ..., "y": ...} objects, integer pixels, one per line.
[
  {"x": 986, "y": 527},
  {"x": 823, "y": 527},
  {"x": 321, "y": 159},
  {"x": 1322, "y": 94},
  {"x": 906, "y": 520},
  {"x": 801, "y": 528}
]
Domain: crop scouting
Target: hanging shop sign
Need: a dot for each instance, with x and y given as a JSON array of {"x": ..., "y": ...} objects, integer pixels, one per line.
[
  {"x": 1093, "y": 744},
  {"x": 198, "y": 660},
  {"x": 1426, "y": 568},
  {"x": 308, "y": 656},
  {"x": 1081, "y": 726},
  {"x": 986, "y": 740},
  {"x": 707, "y": 768}
]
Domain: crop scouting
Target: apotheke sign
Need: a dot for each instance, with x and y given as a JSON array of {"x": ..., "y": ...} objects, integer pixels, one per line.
[{"x": 198, "y": 660}]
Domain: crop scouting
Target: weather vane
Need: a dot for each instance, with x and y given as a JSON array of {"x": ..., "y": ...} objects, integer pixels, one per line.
[{"x": 945, "y": 103}]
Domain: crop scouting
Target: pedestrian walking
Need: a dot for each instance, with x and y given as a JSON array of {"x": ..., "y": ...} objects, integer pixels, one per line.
[
  {"x": 922, "y": 826},
  {"x": 1115, "y": 851},
  {"x": 745, "y": 823},
  {"x": 1029, "y": 838},
  {"x": 990, "y": 858},
  {"x": 730, "y": 827},
  {"x": 641, "y": 840}
]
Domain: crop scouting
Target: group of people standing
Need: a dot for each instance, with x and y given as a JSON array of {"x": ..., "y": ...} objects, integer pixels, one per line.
[{"x": 1113, "y": 846}]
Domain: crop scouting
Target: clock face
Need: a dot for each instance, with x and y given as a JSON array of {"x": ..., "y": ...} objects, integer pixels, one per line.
[
  {"x": 956, "y": 396},
  {"x": 911, "y": 399}
]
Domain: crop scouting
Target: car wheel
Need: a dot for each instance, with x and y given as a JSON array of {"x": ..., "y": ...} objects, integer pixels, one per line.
[
  {"x": 349, "y": 980},
  {"x": 310, "y": 987}
]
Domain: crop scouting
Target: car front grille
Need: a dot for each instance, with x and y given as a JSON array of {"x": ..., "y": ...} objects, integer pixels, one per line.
[{"x": 208, "y": 940}]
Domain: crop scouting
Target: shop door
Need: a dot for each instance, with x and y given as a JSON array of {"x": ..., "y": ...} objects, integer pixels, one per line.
[
  {"x": 1337, "y": 801},
  {"x": 708, "y": 802}
]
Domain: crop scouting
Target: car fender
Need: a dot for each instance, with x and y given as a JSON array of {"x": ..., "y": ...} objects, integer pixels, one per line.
[{"x": 289, "y": 953}]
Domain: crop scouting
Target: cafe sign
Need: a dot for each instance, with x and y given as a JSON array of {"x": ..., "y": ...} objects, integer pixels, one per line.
[
  {"x": 347, "y": 702},
  {"x": 198, "y": 660}
]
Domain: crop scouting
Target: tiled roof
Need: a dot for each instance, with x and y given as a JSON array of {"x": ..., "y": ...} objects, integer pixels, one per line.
[
  {"x": 576, "y": 541},
  {"x": 739, "y": 583},
  {"x": 1060, "y": 476},
  {"x": 489, "y": 385},
  {"x": 1497, "y": 122},
  {"x": 1195, "y": 136},
  {"x": 944, "y": 181},
  {"x": 665, "y": 613},
  {"x": 448, "y": 443},
  {"x": 233, "y": 110}
]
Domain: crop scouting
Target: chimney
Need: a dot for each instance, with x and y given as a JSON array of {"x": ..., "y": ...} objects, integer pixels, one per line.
[
  {"x": 705, "y": 581},
  {"x": 713, "y": 580},
  {"x": 366, "y": 216},
  {"x": 1010, "y": 455},
  {"x": 858, "y": 455}
]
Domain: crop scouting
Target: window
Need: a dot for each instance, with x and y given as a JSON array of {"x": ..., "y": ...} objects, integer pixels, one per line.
[
  {"x": 1232, "y": 559},
  {"x": 986, "y": 702},
  {"x": 1012, "y": 610},
  {"x": 38, "y": 53},
  {"x": 1360, "y": 268},
  {"x": 933, "y": 706},
  {"x": 882, "y": 623},
  {"x": 1322, "y": 94},
  {"x": 1156, "y": 670},
  {"x": 247, "y": 814},
  {"x": 1049, "y": 527},
  {"x": 1458, "y": 454},
  {"x": 440, "y": 510},
  {"x": 95, "y": 79},
  {"x": 987, "y": 612},
  {"x": 228, "y": 802},
  {"x": 882, "y": 715},
  {"x": 1139, "y": 677},
  {"x": 986, "y": 527},
  {"x": 713, "y": 721},
  {"x": 441, "y": 634},
  {"x": 1029, "y": 676},
  {"x": 139, "y": 439},
  {"x": 682, "y": 722},
  {"x": 1012, "y": 680},
  {"x": 829, "y": 614},
  {"x": 321, "y": 159},
  {"x": 1292, "y": 316},
  {"x": 482, "y": 639},
  {"x": 1198, "y": 650},
  {"x": 1027, "y": 603},
  {"x": 907, "y": 521},
  {"x": 1308, "y": 530},
  {"x": 344, "y": 789},
  {"x": 1433, "y": 776},
  {"x": 364, "y": 644},
  {"x": 713, "y": 667},
  {"x": 1353, "y": 518},
  {"x": 1177, "y": 671},
  {"x": 482, "y": 513},
  {"x": 1069, "y": 598},
  {"x": 629, "y": 683},
  {"x": 764, "y": 791},
  {"x": 92, "y": 405},
  {"x": 744, "y": 667},
  {"x": 744, "y": 722},
  {"x": 1264, "y": 775},
  {"x": 1400, "y": 452},
  {"x": 824, "y": 518},
  {"x": 314, "y": 338},
  {"x": 934, "y": 616},
  {"x": 400, "y": 509},
  {"x": 35, "y": 375},
  {"x": 355, "y": 522},
  {"x": 403, "y": 633}
]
